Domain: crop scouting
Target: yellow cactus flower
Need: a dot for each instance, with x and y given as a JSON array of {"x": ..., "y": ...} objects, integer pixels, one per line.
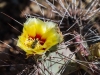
[{"x": 38, "y": 36}]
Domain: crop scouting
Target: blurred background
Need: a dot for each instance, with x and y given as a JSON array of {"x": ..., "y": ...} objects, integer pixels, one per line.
[{"x": 13, "y": 8}]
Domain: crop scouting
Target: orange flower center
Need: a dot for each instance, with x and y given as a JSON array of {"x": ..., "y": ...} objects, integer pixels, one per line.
[{"x": 37, "y": 39}]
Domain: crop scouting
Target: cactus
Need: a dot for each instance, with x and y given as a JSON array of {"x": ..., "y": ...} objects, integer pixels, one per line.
[
  {"x": 74, "y": 21},
  {"x": 72, "y": 55}
]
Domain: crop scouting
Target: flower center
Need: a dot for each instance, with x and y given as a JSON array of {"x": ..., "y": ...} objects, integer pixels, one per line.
[{"x": 33, "y": 41}]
